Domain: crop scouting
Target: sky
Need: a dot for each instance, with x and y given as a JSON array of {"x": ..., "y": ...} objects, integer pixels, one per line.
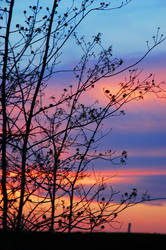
[{"x": 142, "y": 131}]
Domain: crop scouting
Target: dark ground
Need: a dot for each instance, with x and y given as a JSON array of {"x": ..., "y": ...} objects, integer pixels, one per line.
[{"x": 47, "y": 241}]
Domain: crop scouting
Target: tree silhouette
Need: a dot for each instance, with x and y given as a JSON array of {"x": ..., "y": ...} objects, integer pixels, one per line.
[{"x": 48, "y": 144}]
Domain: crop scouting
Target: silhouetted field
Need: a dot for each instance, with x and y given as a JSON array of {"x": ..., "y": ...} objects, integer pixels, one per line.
[{"x": 51, "y": 241}]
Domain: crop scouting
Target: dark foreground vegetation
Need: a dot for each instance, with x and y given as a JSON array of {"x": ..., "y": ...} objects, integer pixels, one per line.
[{"x": 46, "y": 240}]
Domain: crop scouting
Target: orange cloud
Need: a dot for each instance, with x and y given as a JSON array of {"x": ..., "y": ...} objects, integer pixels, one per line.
[
  {"x": 144, "y": 218},
  {"x": 149, "y": 103},
  {"x": 118, "y": 177}
]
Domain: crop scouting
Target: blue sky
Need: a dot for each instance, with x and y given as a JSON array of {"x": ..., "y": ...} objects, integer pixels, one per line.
[
  {"x": 129, "y": 27},
  {"x": 143, "y": 129}
]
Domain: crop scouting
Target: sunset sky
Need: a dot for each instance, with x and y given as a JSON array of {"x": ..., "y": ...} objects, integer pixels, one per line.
[{"x": 142, "y": 131}]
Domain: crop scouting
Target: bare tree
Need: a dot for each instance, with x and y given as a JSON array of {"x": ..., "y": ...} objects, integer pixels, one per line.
[{"x": 47, "y": 146}]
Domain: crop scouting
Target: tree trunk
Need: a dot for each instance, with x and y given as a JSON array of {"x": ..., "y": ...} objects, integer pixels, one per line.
[
  {"x": 4, "y": 125},
  {"x": 28, "y": 125}
]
